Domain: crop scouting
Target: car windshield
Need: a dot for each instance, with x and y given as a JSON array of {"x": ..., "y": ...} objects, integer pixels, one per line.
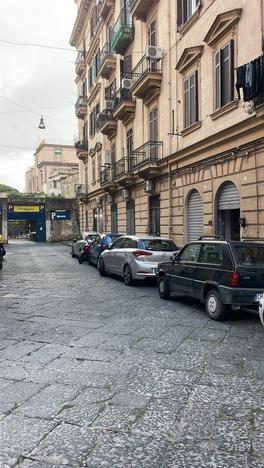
[
  {"x": 250, "y": 255},
  {"x": 157, "y": 245}
]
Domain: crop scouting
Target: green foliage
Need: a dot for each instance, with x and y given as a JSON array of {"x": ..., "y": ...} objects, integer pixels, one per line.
[{"x": 7, "y": 189}]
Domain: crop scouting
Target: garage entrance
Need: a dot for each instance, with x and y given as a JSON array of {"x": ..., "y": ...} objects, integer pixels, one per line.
[{"x": 27, "y": 221}]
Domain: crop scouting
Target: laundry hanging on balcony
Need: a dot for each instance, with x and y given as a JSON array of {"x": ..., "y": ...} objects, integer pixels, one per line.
[{"x": 250, "y": 77}]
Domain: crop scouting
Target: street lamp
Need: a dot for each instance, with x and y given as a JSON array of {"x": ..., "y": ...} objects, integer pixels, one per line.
[{"x": 41, "y": 123}]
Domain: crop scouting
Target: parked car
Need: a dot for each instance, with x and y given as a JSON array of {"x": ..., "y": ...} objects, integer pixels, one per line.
[
  {"x": 135, "y": 258},
  {"x": 100, "y": 245},
  {"x": 221, "y": 274},
  {"x": 78, "y": 244}
]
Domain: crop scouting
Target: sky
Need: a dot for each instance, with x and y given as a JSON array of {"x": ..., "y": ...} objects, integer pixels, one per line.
[{"x": 40, "y": 79}]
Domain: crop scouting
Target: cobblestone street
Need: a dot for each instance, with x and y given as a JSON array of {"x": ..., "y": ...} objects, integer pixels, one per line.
[{"x": 97, "y": 374}]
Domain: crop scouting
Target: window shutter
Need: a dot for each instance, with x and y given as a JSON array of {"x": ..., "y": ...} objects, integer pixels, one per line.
[
  {"x": 231, "y": 69},
  {"x": 218, "y": 74},
  {"x": 179, "y": 13},
  {"x": 196, "y": 97}
]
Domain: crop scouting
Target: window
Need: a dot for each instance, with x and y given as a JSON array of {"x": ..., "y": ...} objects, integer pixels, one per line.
[
  {"x": 86, "y": 178},
  {"x": 57, "y": 154},
  {"x": 99, "y": 164},
  {"x": 211, "y": 253},
  {"x": 224, "y": 75},
  {"x": 157, "y": 245},
  {"x": 113, "y": 154},
  {"x": 93, "y": 121},
  {"x": 190, "y": 100},
  {"x": 93, "y": 170},
  {"x": 118, "y": 244},
  {"x": 130, "y": 243},
  {"x": 90, "y": 76},
  {"x": 129, "y": 142},
  {"x": 114, "y": 224},
  {"x": 84, "y": 88},
  {"x": 185, "y": 9},
  {"x": 86, "y": 220},
  {"x": 191, "y": 253},
  {"x": 95, "y": 220},
  {"x": 152, "y": 34},
  {"x": 110, "y": 91},
  {"x": 97, "y": 63}
]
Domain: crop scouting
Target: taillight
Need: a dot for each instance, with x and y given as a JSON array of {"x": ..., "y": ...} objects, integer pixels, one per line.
[
  {"x": 139, "y": 253},
  {"x": 234, "y": 279}
]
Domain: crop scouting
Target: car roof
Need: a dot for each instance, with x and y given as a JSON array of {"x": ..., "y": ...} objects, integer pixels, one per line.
[
  {"x": 217, "y": 241},
  {"x": 141, "y": 237}
]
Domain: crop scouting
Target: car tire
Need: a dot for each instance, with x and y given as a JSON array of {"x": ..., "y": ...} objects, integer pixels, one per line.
[
  {"x": 91, "y": 263},
  {"x": 163, "y": 287},
  {"x": 127, "y": 275},
  {"x": 81, "y": 260},
  {"x": 101, "y": 268},
  {"x": 214, "y": 307},
  {"x": 1, "y": 265}
]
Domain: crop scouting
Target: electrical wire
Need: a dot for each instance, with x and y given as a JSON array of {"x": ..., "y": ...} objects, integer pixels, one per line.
[
  {"x": 43, "y": 46},
  {"x": 17, "y": 147},
  {"x": 37, "y": 113}
]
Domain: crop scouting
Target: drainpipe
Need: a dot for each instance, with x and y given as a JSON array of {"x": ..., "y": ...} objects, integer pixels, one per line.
[
  {"x": 170, "y": 199},
  {"x": 262, "y": 24},
  {"x": 169, "y": 68}
]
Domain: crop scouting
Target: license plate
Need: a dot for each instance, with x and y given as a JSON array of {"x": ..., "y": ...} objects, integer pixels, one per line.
[{"x": 259, "y": 296}]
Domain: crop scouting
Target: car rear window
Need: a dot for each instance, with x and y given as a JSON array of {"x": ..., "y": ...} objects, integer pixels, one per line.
[
  {"x": 249, "y": 255},
  {"x": 157, "y": 245}
]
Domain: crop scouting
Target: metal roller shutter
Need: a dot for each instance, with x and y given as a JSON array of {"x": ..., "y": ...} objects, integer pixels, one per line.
[
  {"x": 229, "y": 198},
  {"x": 195, "y": 216}
]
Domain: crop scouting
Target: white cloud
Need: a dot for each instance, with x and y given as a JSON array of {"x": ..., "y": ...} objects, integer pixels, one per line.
[{"x": 36, "y": 78}]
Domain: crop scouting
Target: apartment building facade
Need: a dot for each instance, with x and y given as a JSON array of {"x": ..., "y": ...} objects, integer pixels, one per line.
[
  {"x": 50, "y": 158},
  {"x": 168, "y": 144}
]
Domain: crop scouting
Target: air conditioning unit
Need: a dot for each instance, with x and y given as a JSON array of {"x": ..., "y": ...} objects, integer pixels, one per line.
[
  {"x": 149, "y": 186},
  {"x": 107, "y": 157},
  {"x": 125, "y": 194},
  {"x": 127, "y": 83},
  {"x": 109, "y": 199},
  {"x": 154, "y": 53},
  {"x": 109, "y": 105},
  {"x": 98, "y": 201}
]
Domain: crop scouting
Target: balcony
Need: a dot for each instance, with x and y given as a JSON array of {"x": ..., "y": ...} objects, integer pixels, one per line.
[
  {"x": 107, "y": 61},
  {"x": 147, "y": 77},
  {"x": 140, "y": 8},
  {"x": 106, "y": 7},
  {"x": 81, "y": 107},
  {"x": 125, "y": 105},
  {"x": 81, "y": 191},
  {"x": 122, "y": 174},
  {"x": 80, "y": 63},
  {"x": 82, "y": 150},
  {"x": 106, "y": 180},
  {"x": 123, "y": 32},
  {"x": 144, "y": 160},
  {"x": 107, "y": 124}
]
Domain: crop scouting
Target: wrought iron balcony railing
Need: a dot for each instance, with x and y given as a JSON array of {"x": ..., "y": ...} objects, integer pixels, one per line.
[
  {"x": 105, "y": 175},
  {"x": 81, "y": 146},
  {"x": 106, "y": 52},
  {"x": 81, "y": 105},
  {"x": 121, "y": 96},
  {"x": 119, "y": 168},
  {"x": 144, "y": 67},
  {"x": 80, "y": 61},
  {"x": 123, "y": 31},
  {"x": 104, "y": 117},
  {"x": 150, "y": 152},
  {"x": 81, "y": 190}
]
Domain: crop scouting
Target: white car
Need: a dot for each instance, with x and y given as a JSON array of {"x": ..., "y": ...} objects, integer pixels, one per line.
[
  {"x": 136, "y": 257},
  {"x": 78, "y": 244}
]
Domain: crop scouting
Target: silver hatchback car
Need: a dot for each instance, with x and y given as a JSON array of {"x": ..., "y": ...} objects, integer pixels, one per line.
[{"x": 135, "y": 257}]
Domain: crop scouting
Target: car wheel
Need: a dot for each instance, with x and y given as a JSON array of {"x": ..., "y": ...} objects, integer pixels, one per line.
[
  {"x": 163, "y": 286},
  {"x": 91, "y": 263},
  {"x": 214, "y": 307},
  {"x": 101, "y": 268},
  {"x": 72, "y": 253},
  {"x": 81, "y": 260},
  {"x": 127, "y": 275},
  {"x": 1, "y": 265}
]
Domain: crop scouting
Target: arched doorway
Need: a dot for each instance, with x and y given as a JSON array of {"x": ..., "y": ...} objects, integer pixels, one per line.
[
  {"x": 195, "y": 227},
  {"x": 228, "y": 211}
]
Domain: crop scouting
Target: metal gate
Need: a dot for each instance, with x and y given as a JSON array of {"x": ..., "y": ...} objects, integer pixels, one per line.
[
  {"x": 130, "y": 217},
  {"x": 195, "y": 216},
  {"x": 228, "y": 198}
]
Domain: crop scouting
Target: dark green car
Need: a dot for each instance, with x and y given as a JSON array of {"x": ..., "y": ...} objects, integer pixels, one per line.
[{"x": 221, "y": 274}]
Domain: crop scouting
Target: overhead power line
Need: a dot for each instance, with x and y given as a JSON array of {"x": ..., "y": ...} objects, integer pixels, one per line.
[
  {"x": 42, "y": 46},
  {"x": 17, "y": 147},
  {"x": 35, "y": 112}
]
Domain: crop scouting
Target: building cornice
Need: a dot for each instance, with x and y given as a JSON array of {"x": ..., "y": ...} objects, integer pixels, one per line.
[
  {"x": 189, "y": 56},
  {"x": 79, "y": 22}
]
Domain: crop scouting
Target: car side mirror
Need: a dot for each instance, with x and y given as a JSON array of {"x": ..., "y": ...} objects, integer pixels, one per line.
[
  {"x": 75, "y": 240},
  {"x": 175, "y": 257}
]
